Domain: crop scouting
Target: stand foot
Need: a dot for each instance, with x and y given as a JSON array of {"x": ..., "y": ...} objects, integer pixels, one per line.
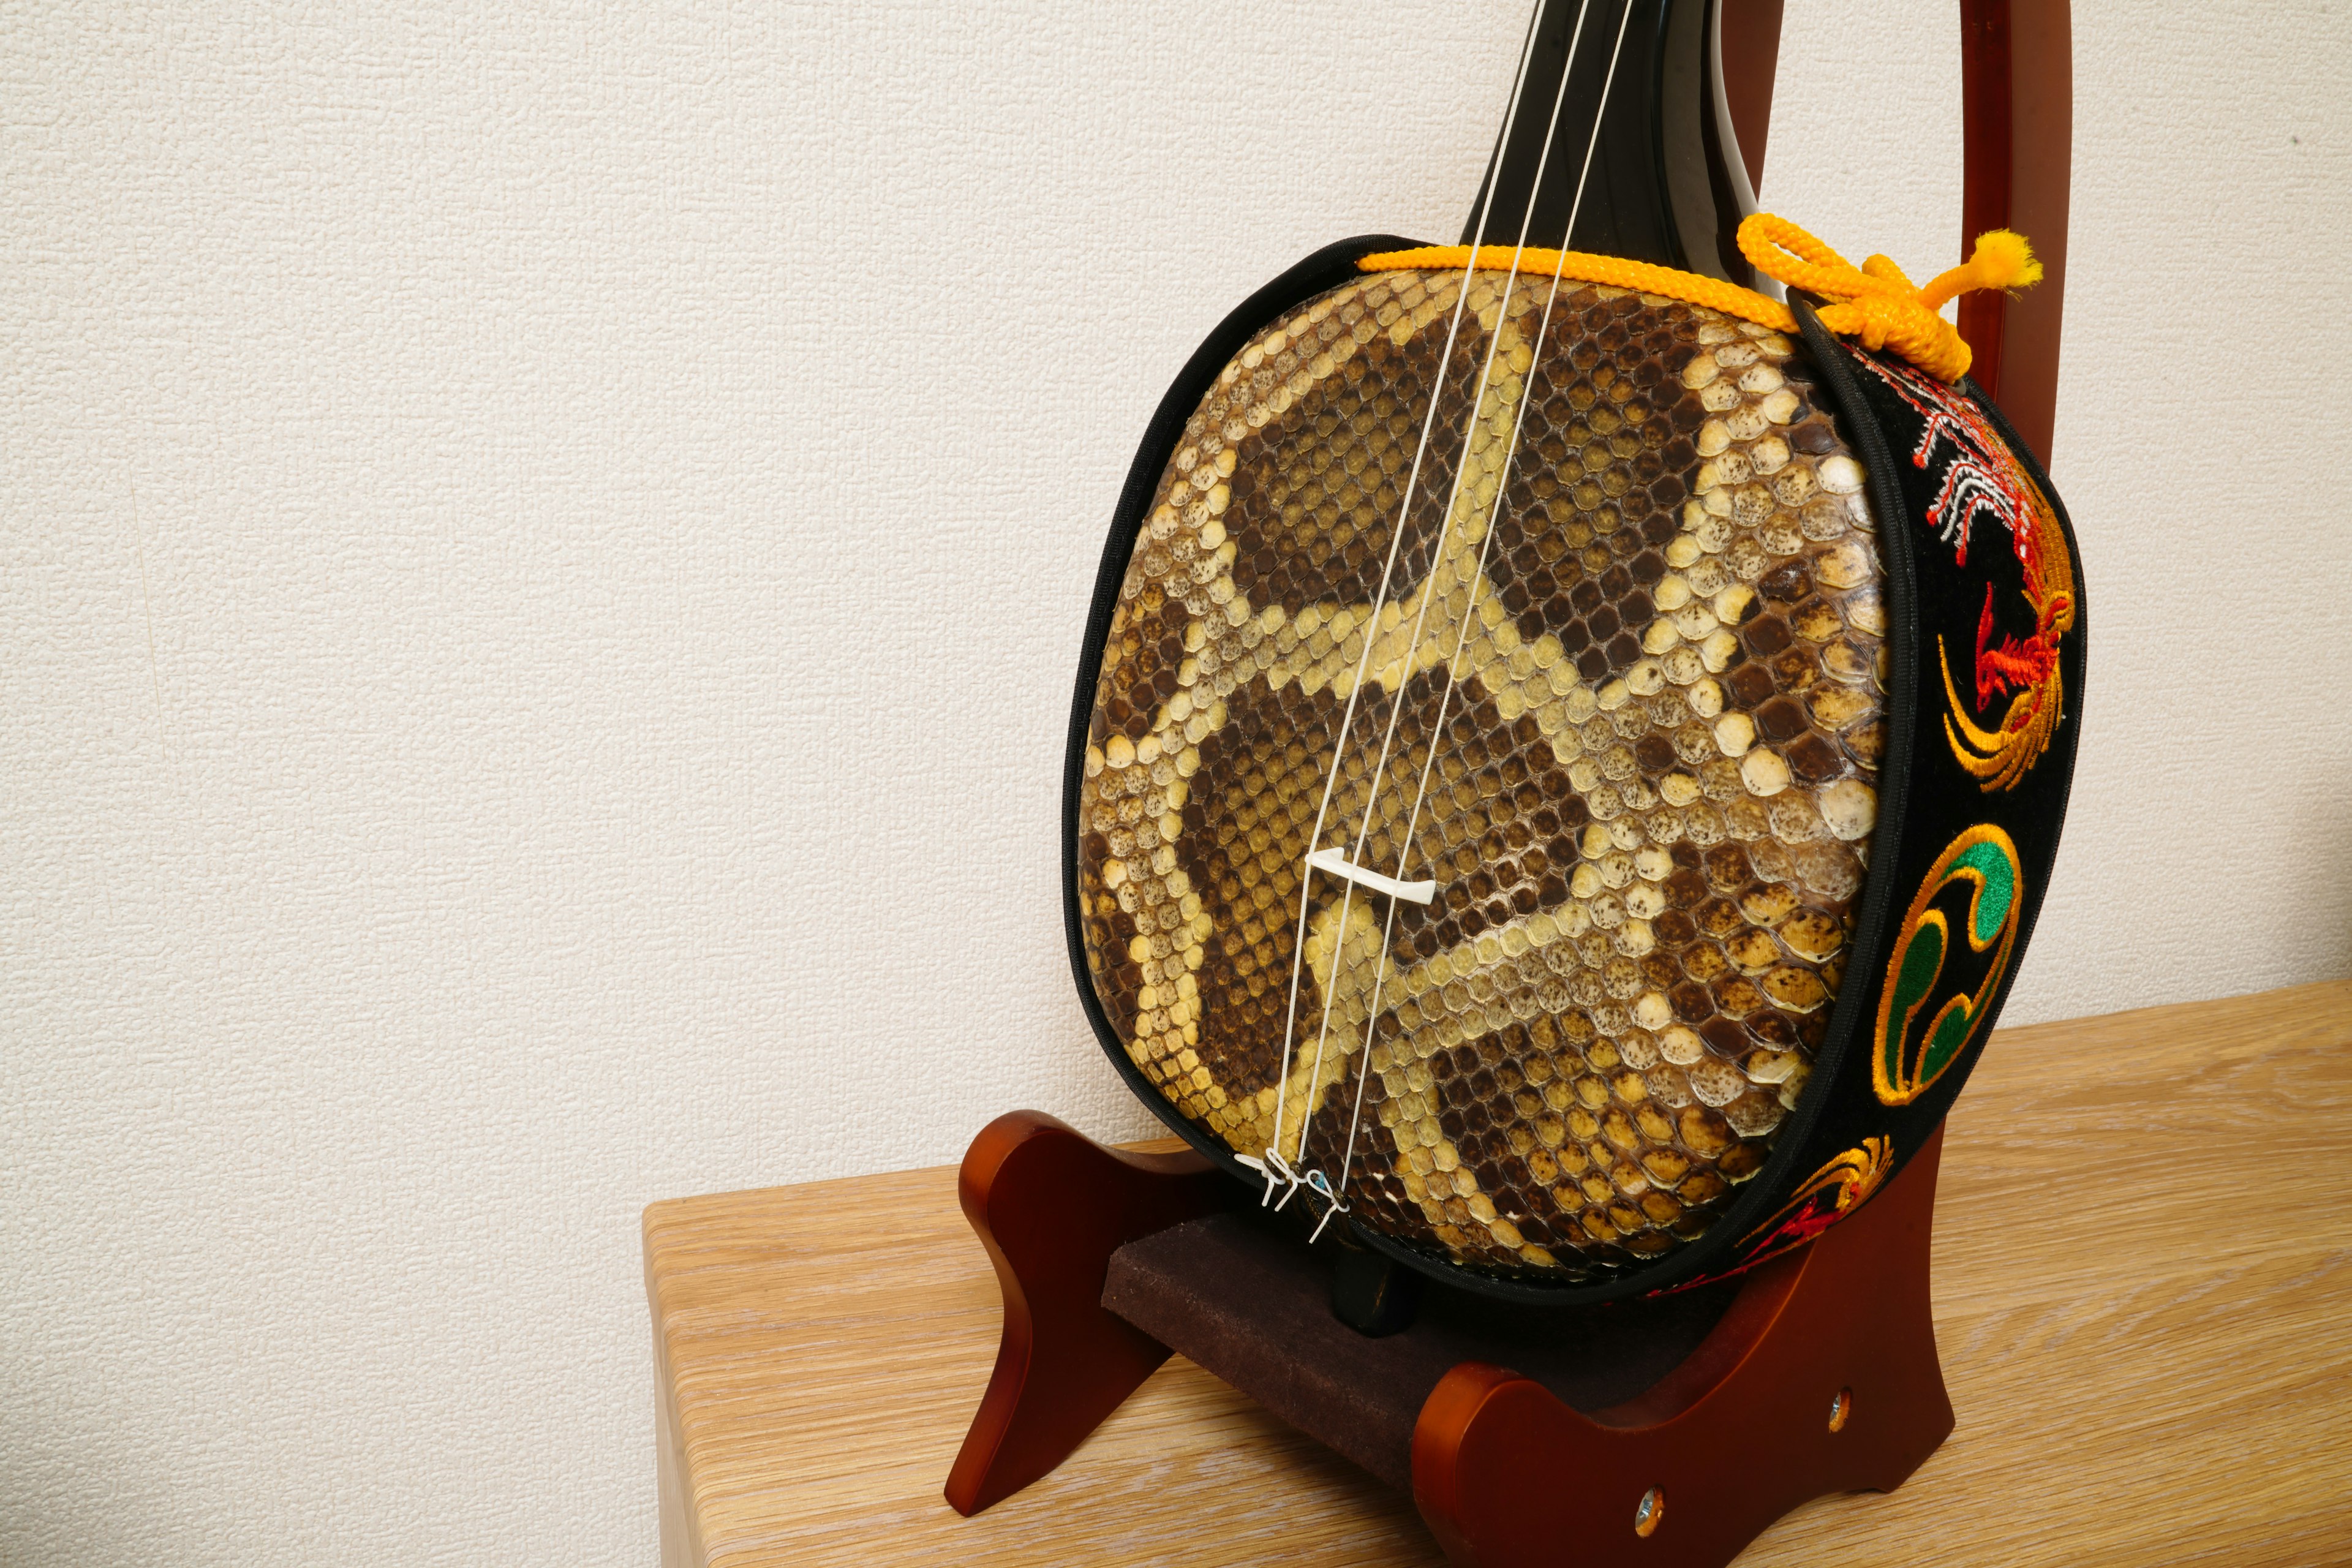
[
  {"x": 1051, "y": 1206},
  {"x": 1822, "y": 1378}
]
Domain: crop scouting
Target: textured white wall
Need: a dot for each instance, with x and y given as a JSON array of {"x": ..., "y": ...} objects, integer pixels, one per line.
[{"x": 544, "y": 547}]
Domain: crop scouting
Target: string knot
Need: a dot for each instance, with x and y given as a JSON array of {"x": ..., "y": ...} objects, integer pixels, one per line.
[{"x": 1875, "y": 302}]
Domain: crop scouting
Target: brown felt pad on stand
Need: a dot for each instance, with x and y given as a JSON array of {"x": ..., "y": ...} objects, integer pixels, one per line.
[{"x": 1252, "y": 1308}]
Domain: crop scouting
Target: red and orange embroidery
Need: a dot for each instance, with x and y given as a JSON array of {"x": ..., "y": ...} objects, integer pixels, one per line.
[
  {"x": 1828, "y": 1196},
  {"x": 1982, "y": 480}
]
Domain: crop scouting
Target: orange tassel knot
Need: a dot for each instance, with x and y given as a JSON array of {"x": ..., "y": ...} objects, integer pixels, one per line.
[{"x": 1875, "y": 302}]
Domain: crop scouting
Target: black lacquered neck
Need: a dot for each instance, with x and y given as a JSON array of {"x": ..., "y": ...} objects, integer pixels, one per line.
[{"x": 1664, "y": 183}]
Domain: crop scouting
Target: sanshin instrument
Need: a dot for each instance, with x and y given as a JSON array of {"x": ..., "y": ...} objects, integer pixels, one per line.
[{"x": 1570, "y": 741}]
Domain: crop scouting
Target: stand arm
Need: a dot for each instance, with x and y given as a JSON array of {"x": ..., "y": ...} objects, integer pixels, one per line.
[{"x": 1051, "y": 1206}]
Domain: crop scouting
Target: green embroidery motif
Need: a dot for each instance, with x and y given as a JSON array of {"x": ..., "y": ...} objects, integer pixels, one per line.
[{"x": 1906, "y": 1060}]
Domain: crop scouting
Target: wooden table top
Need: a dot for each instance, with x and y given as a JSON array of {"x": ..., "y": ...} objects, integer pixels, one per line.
[{"x": 2143, "y": 1298}]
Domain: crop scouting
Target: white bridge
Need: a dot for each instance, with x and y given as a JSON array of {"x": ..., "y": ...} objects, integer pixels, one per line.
[{"x": 1335, "y": 860}]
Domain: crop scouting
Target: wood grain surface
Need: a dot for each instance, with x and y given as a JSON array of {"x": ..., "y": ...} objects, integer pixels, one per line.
[{"x": 2143, "y": 1299}]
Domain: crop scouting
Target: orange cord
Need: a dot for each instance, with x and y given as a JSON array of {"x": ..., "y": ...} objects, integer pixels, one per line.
[{"x": 1874, "y": 302}]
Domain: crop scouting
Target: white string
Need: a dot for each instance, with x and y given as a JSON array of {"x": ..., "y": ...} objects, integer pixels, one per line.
[
  {"x": 1275, "y": 1164},
  {"x": 1445, "y": 526},
  {"x": 1477, "y": 579}
]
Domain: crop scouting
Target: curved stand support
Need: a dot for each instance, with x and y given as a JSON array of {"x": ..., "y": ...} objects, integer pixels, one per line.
[
  {"x": 1051, "y": 1206},
  {"x": 1821, "y": 1378},
  {"x": 2017, "y": 119}
]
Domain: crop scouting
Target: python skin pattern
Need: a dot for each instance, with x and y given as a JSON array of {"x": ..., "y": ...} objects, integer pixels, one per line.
[{"x": 1646, "y": 803}]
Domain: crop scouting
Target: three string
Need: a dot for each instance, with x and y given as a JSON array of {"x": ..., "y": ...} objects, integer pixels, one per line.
[
  {"x": 1277, "y": 1167},
  {"x": 1337, "y": 1198},
  {"x": 1477, "y": 582},
  {"x": 1473, "y": 588}
]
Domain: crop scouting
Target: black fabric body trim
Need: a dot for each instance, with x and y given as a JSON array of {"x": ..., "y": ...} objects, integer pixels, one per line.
[{"x": 2077, "y": 674}]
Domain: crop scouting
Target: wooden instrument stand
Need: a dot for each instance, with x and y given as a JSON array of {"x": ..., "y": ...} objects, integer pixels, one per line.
[{"x": 1667, "y": 1434}]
